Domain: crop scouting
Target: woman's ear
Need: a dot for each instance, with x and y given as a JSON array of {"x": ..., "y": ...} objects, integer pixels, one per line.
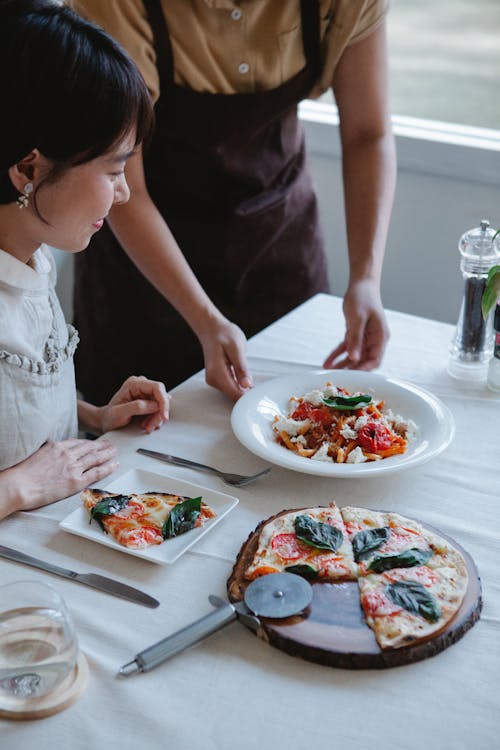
[{"x": 26, "y": 170}]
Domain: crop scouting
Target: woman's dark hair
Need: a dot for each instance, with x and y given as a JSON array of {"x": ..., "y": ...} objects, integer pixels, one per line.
[{"x": 66, "y": 87}]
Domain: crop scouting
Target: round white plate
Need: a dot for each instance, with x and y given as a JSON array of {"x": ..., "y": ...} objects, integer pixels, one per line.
[{"x": 254, "y": 413}]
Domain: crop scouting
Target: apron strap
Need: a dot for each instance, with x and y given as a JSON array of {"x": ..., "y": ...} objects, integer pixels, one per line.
[
  {"x": 162, "y": 44},
  {"x": 311, "y": 41},
  {"x": 309, "y": 12}
]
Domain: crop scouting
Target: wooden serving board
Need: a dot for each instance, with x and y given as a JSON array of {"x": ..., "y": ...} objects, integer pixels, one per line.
[{"x": 333, "y": 632}]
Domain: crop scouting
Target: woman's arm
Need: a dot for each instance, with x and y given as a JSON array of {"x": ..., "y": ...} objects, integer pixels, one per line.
[
  {"x": 139, "y": 226},
  {"x": 55, "y": 471},
  {"x": 59, "y": 469},
  {"x": 369, "y": 173}
]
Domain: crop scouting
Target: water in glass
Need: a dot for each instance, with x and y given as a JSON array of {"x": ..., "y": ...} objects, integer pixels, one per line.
[{"x": 38, "y": 646}]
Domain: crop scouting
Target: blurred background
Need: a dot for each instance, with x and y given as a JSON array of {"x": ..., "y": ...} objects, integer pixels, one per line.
[{"x": 445, "y": 60}]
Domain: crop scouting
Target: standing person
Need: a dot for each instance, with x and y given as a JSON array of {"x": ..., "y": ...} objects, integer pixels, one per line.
[
  {"x": 226, "y": 180},
  {"x": 75, "y": 108}
]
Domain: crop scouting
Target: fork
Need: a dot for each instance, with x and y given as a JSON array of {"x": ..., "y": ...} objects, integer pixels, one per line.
[{"x": 236, "y": 480}]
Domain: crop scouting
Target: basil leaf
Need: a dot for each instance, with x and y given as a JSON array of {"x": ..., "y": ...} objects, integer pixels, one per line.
[
  {"x": 108, "y": 507},
  {"x": 413, "y": 597},
  {"x": 407, "y": 559},
  {"x": 306, "y": 571},
  {"x": 345, "y": 403},
  {"x": 491, "y": 290},
  {"x": 317, "y": 534},
  {"x": 368, "y": 540},
  {"x": 182, "y": 517}
]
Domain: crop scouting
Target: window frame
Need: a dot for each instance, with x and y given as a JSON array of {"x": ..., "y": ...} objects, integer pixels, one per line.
[{"x": 443, "y": 149}]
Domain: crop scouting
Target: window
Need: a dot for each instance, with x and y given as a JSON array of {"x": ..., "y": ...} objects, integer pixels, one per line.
[{"x": 444, "y": 58}]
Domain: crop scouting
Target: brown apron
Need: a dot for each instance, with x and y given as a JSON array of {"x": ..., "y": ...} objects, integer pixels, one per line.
[{"x": 229, "y": 175}]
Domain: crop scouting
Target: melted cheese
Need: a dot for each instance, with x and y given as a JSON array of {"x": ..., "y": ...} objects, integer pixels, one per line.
[
  {"x": 279, "y": 547},
  {"x": 139, "y": 524}
]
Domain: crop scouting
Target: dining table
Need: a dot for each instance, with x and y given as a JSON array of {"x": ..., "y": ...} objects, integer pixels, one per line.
[{"x": 232, "y": 689}]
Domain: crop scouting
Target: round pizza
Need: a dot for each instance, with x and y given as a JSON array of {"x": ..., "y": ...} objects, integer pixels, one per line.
[{"x": 411, "y": 581}]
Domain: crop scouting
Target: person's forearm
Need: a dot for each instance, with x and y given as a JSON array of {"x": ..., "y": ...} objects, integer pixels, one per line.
[
  {"x": 139, "y": 225},
  {"x": 368, "y": 152},
  {"x": 369, "y": 172},
  {"x": 89, "y": 417},
  {"x": 11, "y": 496}
]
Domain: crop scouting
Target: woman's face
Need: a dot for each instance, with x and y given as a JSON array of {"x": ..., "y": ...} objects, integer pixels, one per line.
[{"x": 77, "y": 203}]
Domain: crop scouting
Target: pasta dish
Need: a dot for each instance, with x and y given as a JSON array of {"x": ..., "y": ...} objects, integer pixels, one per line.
[{"x": 331, "y": 424}]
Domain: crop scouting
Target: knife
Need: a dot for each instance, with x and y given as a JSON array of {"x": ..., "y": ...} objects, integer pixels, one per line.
[{"x": 95, "y": 581}]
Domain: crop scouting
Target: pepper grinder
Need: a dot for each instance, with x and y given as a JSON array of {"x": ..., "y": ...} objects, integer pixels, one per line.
[
  {"x": 472, "y": 344},
  {"x": 494, "y": 366}
]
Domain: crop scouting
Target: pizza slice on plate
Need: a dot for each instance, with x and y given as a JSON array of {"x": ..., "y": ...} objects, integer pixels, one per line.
[{"x": 139, "y": 520}]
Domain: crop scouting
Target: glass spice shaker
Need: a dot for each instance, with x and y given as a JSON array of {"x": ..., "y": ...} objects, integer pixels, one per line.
[
  {"x": 472, "y": 345},
  {"x": 494, "y": 366}
]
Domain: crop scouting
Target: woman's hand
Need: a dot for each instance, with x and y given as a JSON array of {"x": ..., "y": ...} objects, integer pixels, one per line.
[
  {"x": 137, "y": 397},
  {"x": 55, "y": 471},
  {"x": 367, "y": 332},
  {"x": 142, "y": 232},
  {"x": 224, "y": 351}
]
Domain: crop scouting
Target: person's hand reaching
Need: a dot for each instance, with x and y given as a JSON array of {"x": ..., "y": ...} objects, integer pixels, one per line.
[{"x": 367, "y": 332}]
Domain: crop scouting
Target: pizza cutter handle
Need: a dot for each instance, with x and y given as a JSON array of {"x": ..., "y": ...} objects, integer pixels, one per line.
[{"x": 223, "y": 614}]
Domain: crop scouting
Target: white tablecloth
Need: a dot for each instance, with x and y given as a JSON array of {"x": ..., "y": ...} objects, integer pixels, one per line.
[{"x": 233, "y": 690}]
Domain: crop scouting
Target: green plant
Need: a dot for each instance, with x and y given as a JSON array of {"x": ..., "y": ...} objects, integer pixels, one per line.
[{"x": 491, "y": 290}]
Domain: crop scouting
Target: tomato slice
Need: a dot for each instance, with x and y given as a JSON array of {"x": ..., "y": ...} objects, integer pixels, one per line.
[
  {"x": 329, "y": 565},
  {"x": 377, "y": 604},
  {"x": 262, "y": 570},
  {"x": 133, "y": 509},
  {"x": 143, "y": 535},
  {"x": 422, "y": 574},
  {"x": 288, "y": 547},
  {"x": 374, "y": 436},
  {"x": 317, "y": 414},
  {"x": 400, "y": 539}
]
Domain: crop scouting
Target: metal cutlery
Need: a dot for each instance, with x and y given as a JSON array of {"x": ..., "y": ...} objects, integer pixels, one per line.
[
  {"x": 95, "y": 581},
  {"x": 235, "y": 480}
]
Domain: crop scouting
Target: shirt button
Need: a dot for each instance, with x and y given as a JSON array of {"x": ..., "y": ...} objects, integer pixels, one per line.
[
  {"x": 243, "y": 68},
  {"x": 236, "y": 14}
]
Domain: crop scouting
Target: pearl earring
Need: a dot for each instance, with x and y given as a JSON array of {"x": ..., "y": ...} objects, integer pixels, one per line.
[{"x": 22, "y": 200}]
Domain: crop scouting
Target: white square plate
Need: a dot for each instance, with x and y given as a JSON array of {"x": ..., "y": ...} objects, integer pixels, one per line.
[{"x": 136, "y": 481}]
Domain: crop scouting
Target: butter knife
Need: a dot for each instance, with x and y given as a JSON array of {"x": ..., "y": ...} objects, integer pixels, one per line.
[{"x": 95, "y": 581}]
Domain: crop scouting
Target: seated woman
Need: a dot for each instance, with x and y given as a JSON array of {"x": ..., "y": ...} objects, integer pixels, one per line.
[{"x": 75, "y": 108}]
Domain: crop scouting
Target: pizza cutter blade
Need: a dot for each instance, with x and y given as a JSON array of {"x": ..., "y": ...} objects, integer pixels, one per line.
[{"x": 276, "y": 596}]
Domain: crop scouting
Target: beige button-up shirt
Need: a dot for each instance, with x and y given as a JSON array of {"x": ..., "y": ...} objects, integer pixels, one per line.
[{"x": 223, "y": 46}]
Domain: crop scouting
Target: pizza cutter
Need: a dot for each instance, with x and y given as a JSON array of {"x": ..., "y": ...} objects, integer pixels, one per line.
[{"x": 276, "y": 595}]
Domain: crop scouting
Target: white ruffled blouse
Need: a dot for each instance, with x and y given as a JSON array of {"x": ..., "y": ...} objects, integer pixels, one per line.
[{"x": 37, "y": 381}]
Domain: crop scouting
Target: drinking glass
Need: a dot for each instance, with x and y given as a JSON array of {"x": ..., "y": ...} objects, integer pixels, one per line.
[{"x": 38, "y": 644}]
